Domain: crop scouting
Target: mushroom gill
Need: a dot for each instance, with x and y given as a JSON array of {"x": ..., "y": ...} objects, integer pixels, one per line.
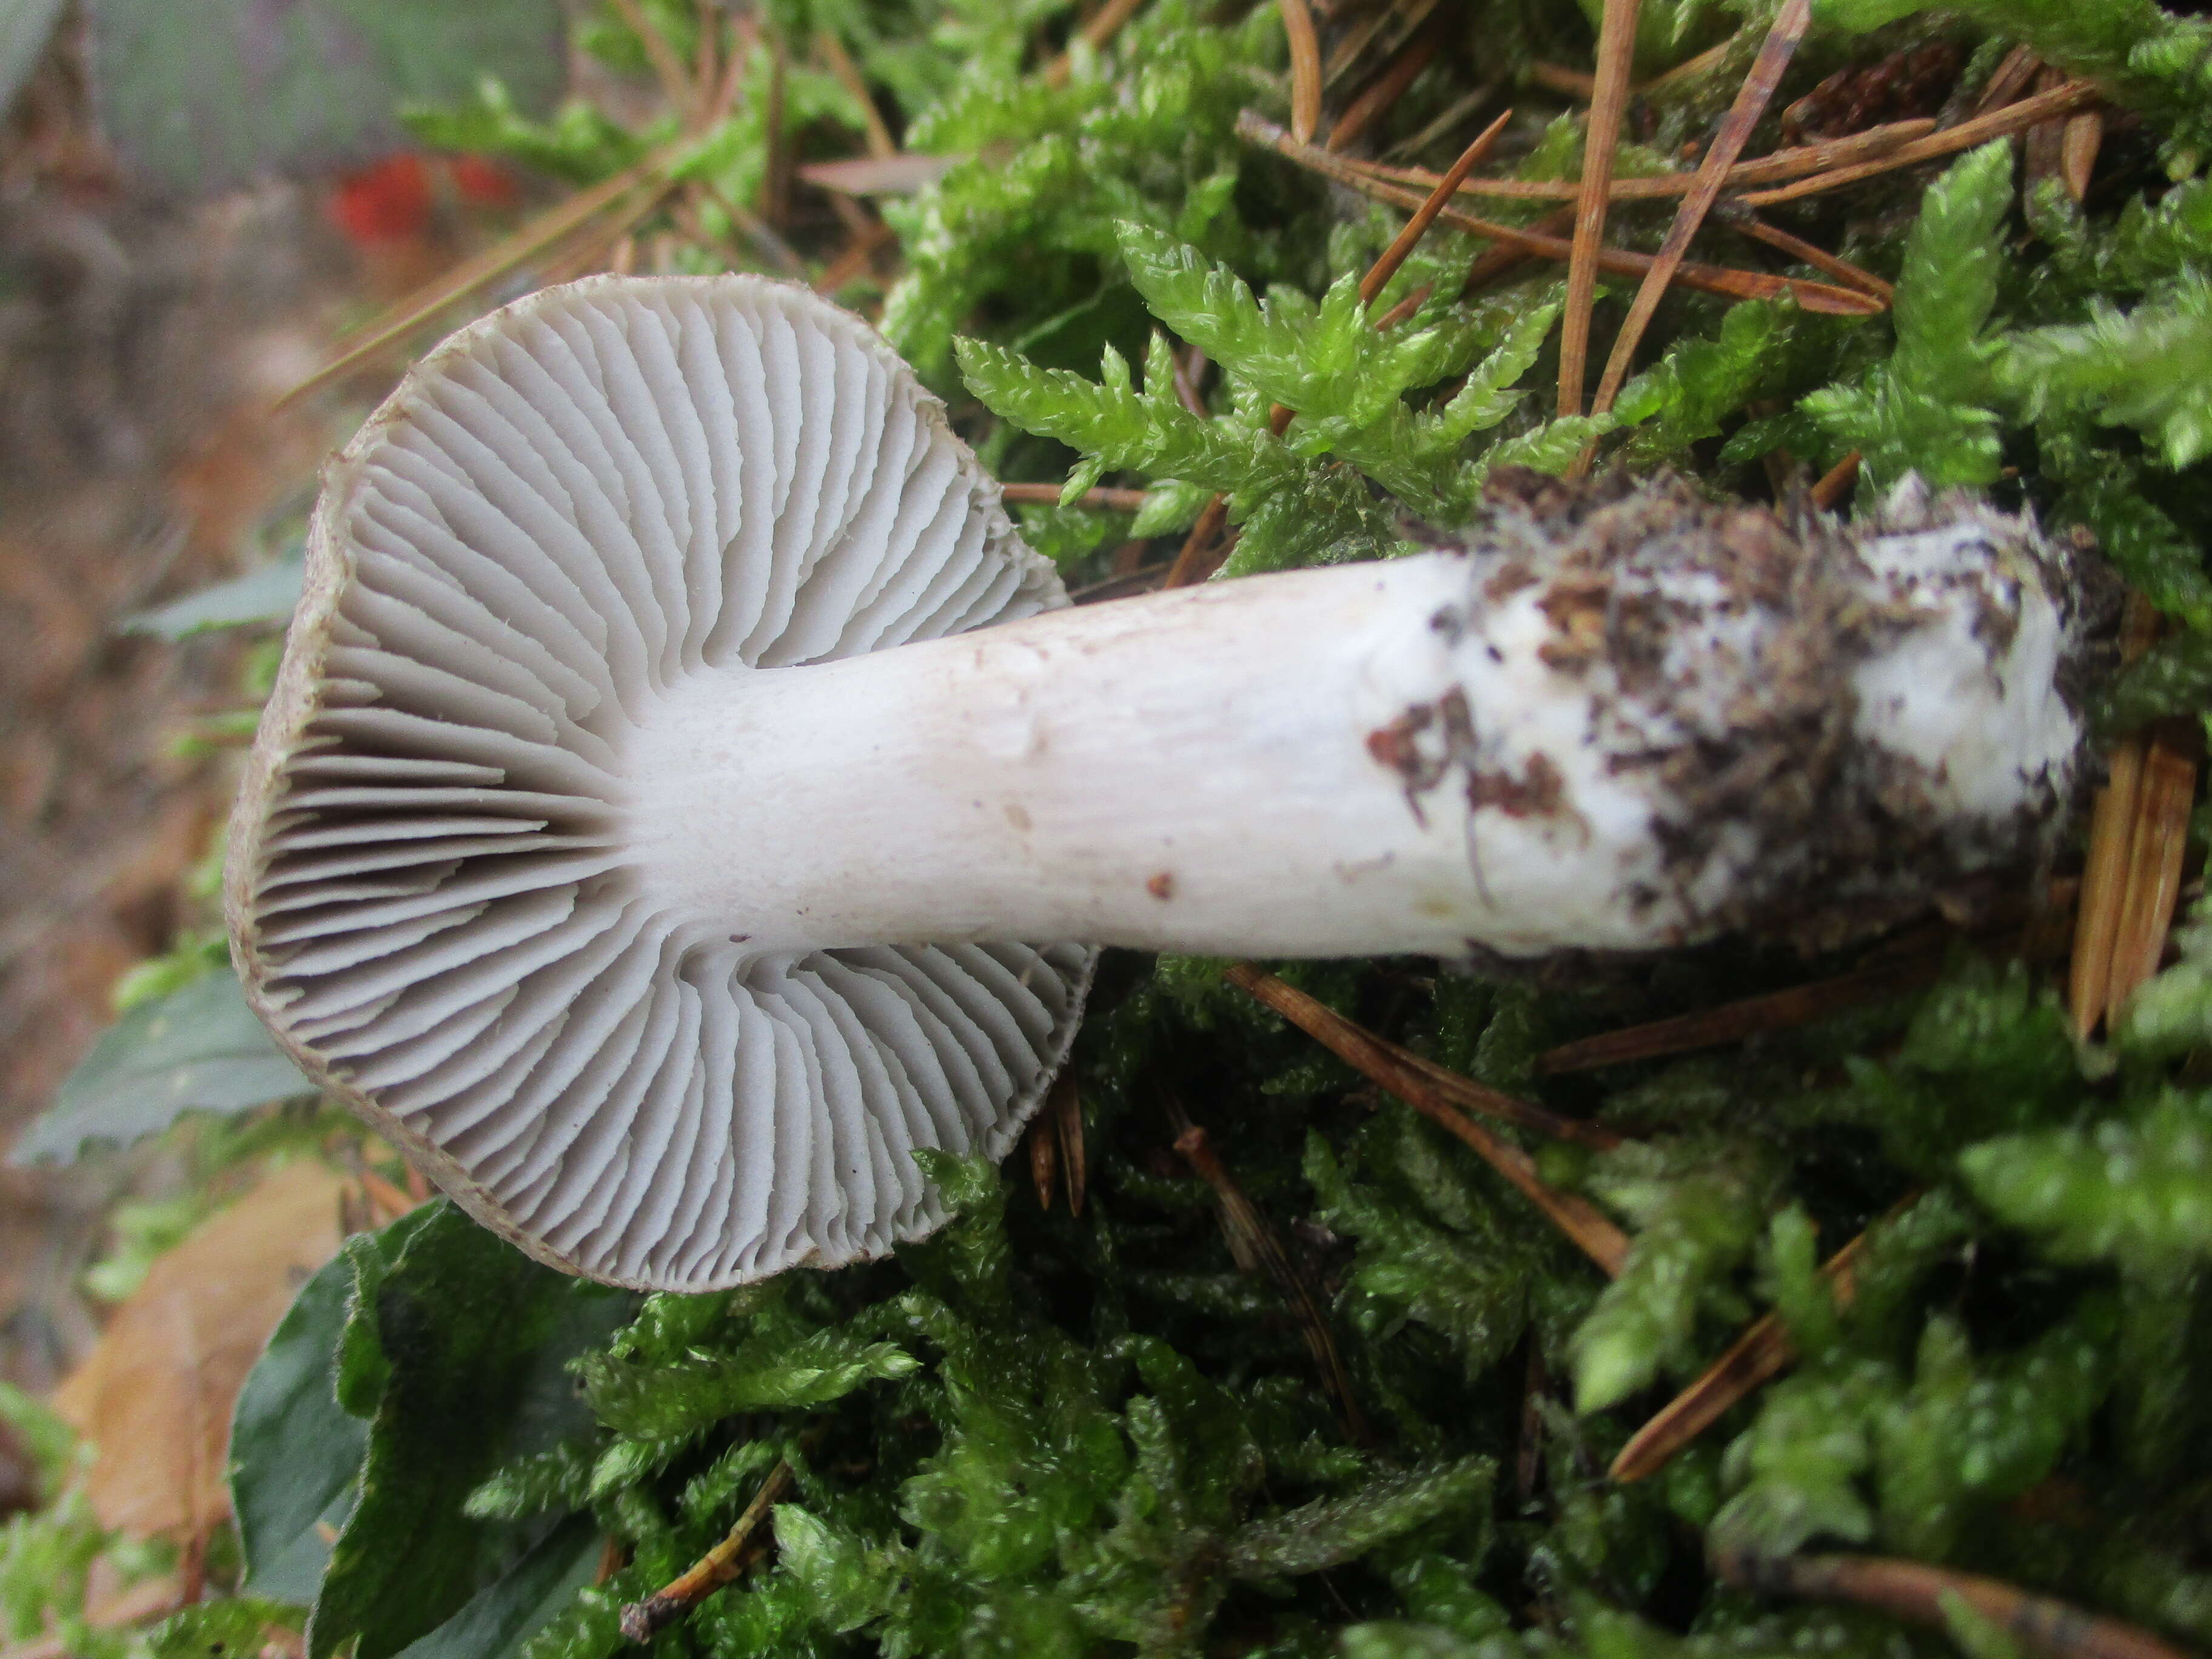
[{"x": 567, "y": 510}]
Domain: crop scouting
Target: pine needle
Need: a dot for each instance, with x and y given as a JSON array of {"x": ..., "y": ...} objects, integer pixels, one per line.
[
  {"x": 2111, "y": 836},
  {"x": 1751, "y": 102},
  {"x": 1726, "y": 281},
  {"x": 1592, "y": 1233},
  {"x": 881, "y": 144},
  {"x": 1387, "y": 88},
  {"x": 1923, "y": 1594},
  {"x": 1096, "y": 33},
  {"x": 1742, "y": 220},
  {"x": 1796, "y": 162},
  {"x": 1616, "y": 51},
  {"x": 1305, "y": 69},
  {"x": 1402, "y": 246},
  {"x": 633, "y": 192},
  {"x": 1967, "y": 135},
  {"x": 1257, "y": 1249},
  {"x": 1099, "y": 499},
  {"x": 1734, "y": 1022},
  {"x": 1760, "y": 1353},
  {"x": 2158, "y": 844}
]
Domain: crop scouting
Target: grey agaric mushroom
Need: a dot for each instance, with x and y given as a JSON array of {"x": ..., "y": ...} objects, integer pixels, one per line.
[{"x": 681, "y": 774}]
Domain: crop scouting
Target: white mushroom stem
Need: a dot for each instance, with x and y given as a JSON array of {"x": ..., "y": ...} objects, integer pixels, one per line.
[
  {"x": 685, "y": 799},
  {"x": 1439, "y": 754}
]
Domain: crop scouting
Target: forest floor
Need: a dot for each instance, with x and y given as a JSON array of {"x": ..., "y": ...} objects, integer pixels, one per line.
[{"x": 142, "y": 347}]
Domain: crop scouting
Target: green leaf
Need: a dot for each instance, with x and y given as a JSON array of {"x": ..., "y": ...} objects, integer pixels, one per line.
[
  {"x": 266, "y": 595},
  {"x": 205, "y": 96},
  {"x": 234, "y": 1626},
  {"x": 501, "y": 1618},
  {"x": 295, "y": 1454},
  {"x": 476, "y": 1337},
  {"x": 25, "y": 27},
  {"x": 198, "y": 1050}
]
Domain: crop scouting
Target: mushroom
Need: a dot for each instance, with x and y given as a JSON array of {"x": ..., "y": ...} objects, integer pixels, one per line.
[{"x": 683, "y": 785}]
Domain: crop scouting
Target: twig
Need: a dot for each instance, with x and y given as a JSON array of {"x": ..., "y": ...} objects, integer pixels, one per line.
[
  {"x": 1751, "y": 102},
  {"x": 776, "y": 175},
  {"x": 1189, "y": 370},
  {"x": 1496, "y": 1103},
  {"x": 1387, "y": 88},
  {"x": 880, "y": 141},
  {"x": 1713, "y": 279},
  {"x": 1557, "y": 77},
  {"x": 1762, "y": 1351},
  {"x": 2079, "y": 141},
  {"x": 1109, "y": 500},
  {"x": 2062, "y": 100},
  {"x": 1733, "y": 1021},
  {"x": 746, "y": 37},
  {"x": 1528, "y": 1458},
  {"x": 1616, "y": 49},
  {"x": 1195, "y": 560},
  {"x": 1504, "y": 257},
  {"x": 1783, "y": 164},
  {"x": 1305, "y": 69},
  {"x": 1256, "y": 1249},
  {"x": 642, "y": 1621},
  {"x": 1403, "y": 244},
  {"x": 2112, "y": 834},
  {"x": 1744, "y": 220},
  {"x": 771, "y": 247},
  {"x": 859, "y": 254},
  {"x": 1043, "y": 1145},
  {"x": 1455, "y": 112},
  {"x": 1141, "y": 580},
  {"x": 2159, "y": 843},
  {"x": 1064, "y": 1106},
  {"x": 1591, "y": 1232},
  {"x": 1835, "y": 483},
  {"x": 1096, "y": 33},
  {"x": 649, "y": 178},
  {"x": 706, "y": 68},
  {"x": 667, "y": 67},
  {"x": 2020, "y": 67},
  {"x": 1916, "y": 1592}
]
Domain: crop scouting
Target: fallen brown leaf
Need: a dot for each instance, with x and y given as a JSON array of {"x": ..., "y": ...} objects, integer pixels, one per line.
[{"x": 153, "y": 1397}]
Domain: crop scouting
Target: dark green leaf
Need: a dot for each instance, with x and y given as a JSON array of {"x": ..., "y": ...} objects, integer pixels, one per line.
[
  {"x": 25, "y": 27},
  {"x": 478, "y": 1337},
  {"x": 295, "y": 1454},
  {"x": 506, "y": 1613},
  {"x": 266, "y": 595},
  {"x": 202, "y": 96},
  {"x": 197, "y": 1049}
]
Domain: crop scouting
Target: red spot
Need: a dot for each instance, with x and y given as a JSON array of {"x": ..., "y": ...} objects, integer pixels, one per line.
[
  {"x": 386, "y": 201},
  {"x": 482, "y": 182},
  {"x": 1162, "y": 885}
]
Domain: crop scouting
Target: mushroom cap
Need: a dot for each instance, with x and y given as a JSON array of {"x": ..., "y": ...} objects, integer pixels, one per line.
[{"x": 566, "y": 510}]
